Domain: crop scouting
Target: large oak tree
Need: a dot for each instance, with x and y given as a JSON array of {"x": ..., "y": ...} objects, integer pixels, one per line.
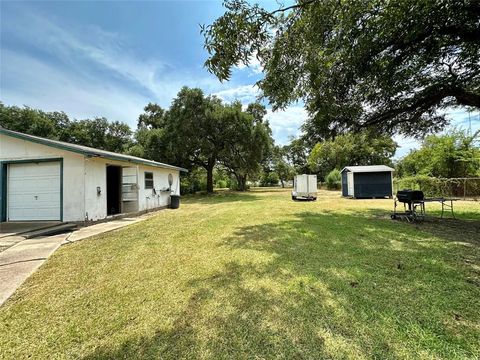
[
  {"x": 195, "y": 131},
  {"x": 250, "y": 141},
  {"x": 391, "y": 65}
]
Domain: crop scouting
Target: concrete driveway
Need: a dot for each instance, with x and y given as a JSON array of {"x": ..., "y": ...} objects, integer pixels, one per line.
[
  {"x": 18, "y": 262},
  {"x": 20, "y": 227},
  {"x": 11, "y": 232}
]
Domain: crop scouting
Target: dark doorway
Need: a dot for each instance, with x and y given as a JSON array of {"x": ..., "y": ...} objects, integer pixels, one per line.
[{"x": 114, "y": 189}]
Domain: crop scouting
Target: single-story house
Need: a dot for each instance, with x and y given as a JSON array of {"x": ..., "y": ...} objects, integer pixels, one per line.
[
  {"x": 374, "y": 181},
  {"x": 43, "y": 179}
]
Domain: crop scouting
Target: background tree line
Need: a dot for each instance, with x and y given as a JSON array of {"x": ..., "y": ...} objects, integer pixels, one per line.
[
  {"x": 98, "y": 132},
  {"x": 198, "y": 132},
  {"x": 455, "y": 154},
  {"x": 224, "y": 145}
]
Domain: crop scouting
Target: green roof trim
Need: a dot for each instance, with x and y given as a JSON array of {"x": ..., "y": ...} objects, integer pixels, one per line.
[{"x": 87, "y": 151}]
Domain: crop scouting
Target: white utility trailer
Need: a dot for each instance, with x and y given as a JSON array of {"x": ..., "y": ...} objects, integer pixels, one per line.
[{"x": 304, "y": 187}]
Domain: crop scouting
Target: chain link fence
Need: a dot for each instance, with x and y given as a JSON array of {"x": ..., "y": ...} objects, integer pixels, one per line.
[{"x": 464, "y": 188}]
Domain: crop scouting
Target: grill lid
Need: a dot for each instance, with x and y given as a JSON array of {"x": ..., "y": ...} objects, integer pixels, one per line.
[{"x": 408, "y": 195}]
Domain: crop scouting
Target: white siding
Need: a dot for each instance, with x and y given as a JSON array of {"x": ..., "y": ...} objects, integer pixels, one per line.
[
  {"x": 147, "y": 200},
  {"x": 95, "y": 176},
  {"x": 350, "y": 185},
  {"x": 96, "y": 206},
  {"x": 73, "y": 170},
  {"x": 82, "y": 176}
]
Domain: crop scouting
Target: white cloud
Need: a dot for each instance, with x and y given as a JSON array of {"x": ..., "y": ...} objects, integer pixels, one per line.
[
  {"x": 245, "y": 94},
  {"x": 286, "y": 123},
  {"x": 92, "y": 44},
  {"x": 89, "y": 51},
  {"x": 464, "y": 119},
  {"x": 254, "y": 65},
  {"x": 43, "y": 86}
]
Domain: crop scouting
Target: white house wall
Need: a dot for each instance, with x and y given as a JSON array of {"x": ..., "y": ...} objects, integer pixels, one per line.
[
  {"x": 82, "y": 175},
  {"x": 13, "y": 149},
  {"x": 146, "y": 199},
  {"x": 96, "y": 206},
  {"x": 95, "y": 176}
]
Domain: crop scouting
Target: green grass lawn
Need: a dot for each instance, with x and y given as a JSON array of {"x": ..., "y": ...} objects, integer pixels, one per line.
[{"x": 256, "y": 275}]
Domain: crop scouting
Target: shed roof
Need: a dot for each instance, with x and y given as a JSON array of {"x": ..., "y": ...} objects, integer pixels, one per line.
[
  {"x": 87, "y": 151},
  {"x": 368, "y": 169}
]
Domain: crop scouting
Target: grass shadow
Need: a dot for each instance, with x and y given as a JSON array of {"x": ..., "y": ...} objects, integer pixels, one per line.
[
  {"x": 324, "y": 285},
  {"x": 464, "y": 229},
  {"x": 220, "y": 197}
]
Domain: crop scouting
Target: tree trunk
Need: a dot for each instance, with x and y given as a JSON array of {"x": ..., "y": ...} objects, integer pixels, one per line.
[
  {"x": 283, "y": 185},
  {"x": 209, "y": 169},
  {"x": 239, "y": 182},
  {"x": 242, "y": 182}
]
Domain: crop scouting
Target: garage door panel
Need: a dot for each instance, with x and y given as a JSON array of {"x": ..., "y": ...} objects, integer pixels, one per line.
[
  {"x": 33, "y": 186},
  {"x": 34, "y": 201},
  {"x": 35, "y": 169},
  {"x": 33, "y": 191},
  {"x": 26, "y": 214}
]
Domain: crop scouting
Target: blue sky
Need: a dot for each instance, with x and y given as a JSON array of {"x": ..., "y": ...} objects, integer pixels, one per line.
[{"x": 105, "y": 58}]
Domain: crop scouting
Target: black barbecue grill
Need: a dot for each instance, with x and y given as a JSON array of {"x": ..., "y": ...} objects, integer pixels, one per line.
[
  {"x": 408, "y": 196},
  {"x": 413, "y": 205}
]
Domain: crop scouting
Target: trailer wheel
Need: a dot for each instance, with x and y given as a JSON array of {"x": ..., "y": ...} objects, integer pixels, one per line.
[{"x": 294, "y": 198}]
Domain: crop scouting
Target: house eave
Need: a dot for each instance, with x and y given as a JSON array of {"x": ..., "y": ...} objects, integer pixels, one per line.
[{"x": 88, "y": 153}]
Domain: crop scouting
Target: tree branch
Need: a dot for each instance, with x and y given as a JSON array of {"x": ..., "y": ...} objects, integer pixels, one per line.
[
  {"x": 468, "y": 98},
  {"x": 296, "y": 6},
  {"x": 422, "y": 101},
  {"x": 428, "y": 99}
]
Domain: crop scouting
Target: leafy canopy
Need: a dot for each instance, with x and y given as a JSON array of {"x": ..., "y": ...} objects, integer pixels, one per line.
[
  {"x": 451, "y": 155},
  {"x": 297, "y": 154},
  {"x": 392, "y": 65},
  {"x": 199, "y": 131},
  {"x": 363, "y": 148},
  {"x": 250, "y": 142},
  {"x": 280, "y": 165},
  {"x": 98, "y": 132}
]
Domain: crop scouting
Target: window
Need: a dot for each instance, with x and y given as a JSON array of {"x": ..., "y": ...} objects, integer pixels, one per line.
[{"x": 148, "y": 180}]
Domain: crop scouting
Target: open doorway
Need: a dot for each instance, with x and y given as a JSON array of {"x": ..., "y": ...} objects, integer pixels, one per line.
[{"x": 114, "y": 190}]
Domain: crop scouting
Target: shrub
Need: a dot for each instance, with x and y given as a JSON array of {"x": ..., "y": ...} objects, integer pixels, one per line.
[
  {"x": 269, "y": 179},
  {"x": 188, "y": 185},
  {"x": 334, "y": 180},
  {"x": 221, "y": 184},
  {"x": 433, "y": 187},
  {"x": 192, "y": 182}
]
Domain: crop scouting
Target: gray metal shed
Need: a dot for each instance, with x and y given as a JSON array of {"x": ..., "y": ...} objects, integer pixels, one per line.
[{"x": 373, "y": 181}]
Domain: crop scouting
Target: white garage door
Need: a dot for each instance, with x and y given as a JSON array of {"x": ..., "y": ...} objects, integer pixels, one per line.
[{"x": 33, "y": 191}]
